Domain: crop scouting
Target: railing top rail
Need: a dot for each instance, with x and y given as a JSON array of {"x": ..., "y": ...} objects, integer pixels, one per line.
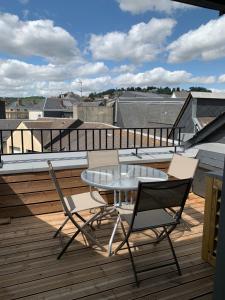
[
  {"x": 109, "y": 128},
  {"x": 55, "y": 140}
]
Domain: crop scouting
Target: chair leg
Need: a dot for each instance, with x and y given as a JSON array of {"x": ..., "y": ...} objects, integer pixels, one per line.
[
  {"x": 82, "y": 230},
  {"x": 132, "y": 263},
  {"x": 130, "y": 253},
  {"x": 61, "y": 227},
  {"x": 67, "y": 245},
  {"x": 89, "y": 222},
  {"x": 80, "y": 217},
  {"x": 124, "y": 241},
  {"x": 173, "y": 252},
  {"x": 163, "y": 234}
]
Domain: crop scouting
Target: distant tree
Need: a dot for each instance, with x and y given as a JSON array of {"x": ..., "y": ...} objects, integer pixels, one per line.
[
  {"x": 138, "y": 89},
  {"x": 165, "y": 90},
  {"x": 131, "y": 89},
  {"x": 150, "y": 88},
  {"x": 92, "y": 95},
  {"x": 199, "y": 89}
]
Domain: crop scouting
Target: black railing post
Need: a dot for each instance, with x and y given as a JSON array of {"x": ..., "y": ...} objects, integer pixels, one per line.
[
  {"x": 1, "y": 152},
  {"x": 1, "y": 161}
]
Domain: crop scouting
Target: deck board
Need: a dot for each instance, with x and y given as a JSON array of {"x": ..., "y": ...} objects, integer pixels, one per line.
[{"x": 29, "y": 268}]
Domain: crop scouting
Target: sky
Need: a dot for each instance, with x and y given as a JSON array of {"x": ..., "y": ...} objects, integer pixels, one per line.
[{"x": 48, "y": 46}]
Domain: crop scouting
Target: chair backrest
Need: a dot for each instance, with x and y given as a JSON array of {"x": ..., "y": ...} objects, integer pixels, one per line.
[
  {"x": 57, "y": 187},
  {"x": 182, "y": 167},
  {"x": 102, "y": 158},
  {"x": 161, "y": 195}
]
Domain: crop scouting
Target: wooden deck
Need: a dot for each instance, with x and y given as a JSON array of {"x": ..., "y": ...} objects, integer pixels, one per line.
[{"x": 29, "y": 268}]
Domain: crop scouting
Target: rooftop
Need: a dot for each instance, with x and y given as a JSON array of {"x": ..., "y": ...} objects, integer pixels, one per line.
[{"x": 61, "y": 104}]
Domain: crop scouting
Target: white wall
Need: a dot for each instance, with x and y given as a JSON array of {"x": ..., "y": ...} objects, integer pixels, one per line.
[{"x": 34, "y": 115}]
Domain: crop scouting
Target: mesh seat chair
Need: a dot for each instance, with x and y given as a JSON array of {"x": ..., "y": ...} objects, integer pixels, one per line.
[
  {"x": 102, "y": 158},
  {"x": 182, "y": 167},
  {"x": 72, "y": 206},
  {"x": 150, "y": 212}
]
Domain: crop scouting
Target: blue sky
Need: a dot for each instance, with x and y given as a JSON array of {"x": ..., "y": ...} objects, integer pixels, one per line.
[{"x": 48, "y": 46}]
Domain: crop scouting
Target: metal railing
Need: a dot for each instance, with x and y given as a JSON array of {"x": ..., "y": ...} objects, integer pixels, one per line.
[{"x": 43, "y": 140}]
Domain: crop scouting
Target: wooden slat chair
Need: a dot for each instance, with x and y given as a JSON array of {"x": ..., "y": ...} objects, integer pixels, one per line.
[
  {"x": 150, "y": 212},
  {"x": 73, "y": 205}
]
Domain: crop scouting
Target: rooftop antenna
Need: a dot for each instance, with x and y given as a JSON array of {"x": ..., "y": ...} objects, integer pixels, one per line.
[{"x": 81, "y": 87}]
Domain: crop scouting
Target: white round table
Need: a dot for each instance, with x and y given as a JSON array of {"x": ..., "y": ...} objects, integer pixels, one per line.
[{"x": 122, "y": 178}]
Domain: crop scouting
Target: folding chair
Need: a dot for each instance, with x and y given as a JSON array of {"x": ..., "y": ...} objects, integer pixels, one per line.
[
  {"x": 150, "y": 212},
  {"x": 102, "y": 158},
  {"x": 182, "y": 167},
  {"x": 72, "y": 206}
]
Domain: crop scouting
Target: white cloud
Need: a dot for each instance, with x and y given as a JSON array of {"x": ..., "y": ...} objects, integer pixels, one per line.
[
  {"x": 37, "y": 38},
  {"x": 217, "y": 90},
  {"x": 124, "y": 69},
  {"x": 24, "y": 2},
  {"x": 160, "y": 77},
  {"x": 94, "y": 84},
  {"x": 203, "y": 79},
  {"x": 91, "y": 69},
  {"x": 13, "y": 69},
  {"x": 18, "y": 78},
  {"x": 142, "y": 43},
  {"x": 157, "y": 76},
  {"x": 206, "y": 43},
  {"x": 21, "y": 79},
  {"x": 142, "y": 6},
  {"x": 221, "y": 79}
]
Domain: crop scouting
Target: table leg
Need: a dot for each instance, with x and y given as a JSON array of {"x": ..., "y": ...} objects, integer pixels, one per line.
[
  {"x": 115, "y": 198},
  {"x": 112, "y": 236},
  {"x": 126, "y": 197},
  {"x": 120, "y": 198}
]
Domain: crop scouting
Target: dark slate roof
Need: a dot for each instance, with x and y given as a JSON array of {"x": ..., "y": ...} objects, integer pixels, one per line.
[
  {"x": 60, "y": 104},
  {"x": 216, "y": 5},
  {"x": 88, "y": 136},
  {"x": 71, "y": 135},
  {"x": 203, "y": 121},
  {"x": 65, "y": 135},
  {"x": 210, "y": 133},
  {"x": 134, "y": 94},
  {"x": 50, "y": 123},
  {"x": 147, "y": 114},
  {"x": 90, "y": 103},
  {"x": 197, "y": 95},
  {"x": 26, "y": 106},
  {"x": 181, "y": 94},
  {"x": 69, "y": 95},
  {"x": 8, "y": 124},
  {"x": 146, "y": 99}
]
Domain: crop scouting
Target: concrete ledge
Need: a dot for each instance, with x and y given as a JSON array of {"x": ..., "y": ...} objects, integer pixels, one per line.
[{"x": 14, "y": 164}]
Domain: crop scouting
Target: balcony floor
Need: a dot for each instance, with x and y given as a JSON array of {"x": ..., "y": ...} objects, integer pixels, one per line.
[{"x": 30, "y": 270}]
